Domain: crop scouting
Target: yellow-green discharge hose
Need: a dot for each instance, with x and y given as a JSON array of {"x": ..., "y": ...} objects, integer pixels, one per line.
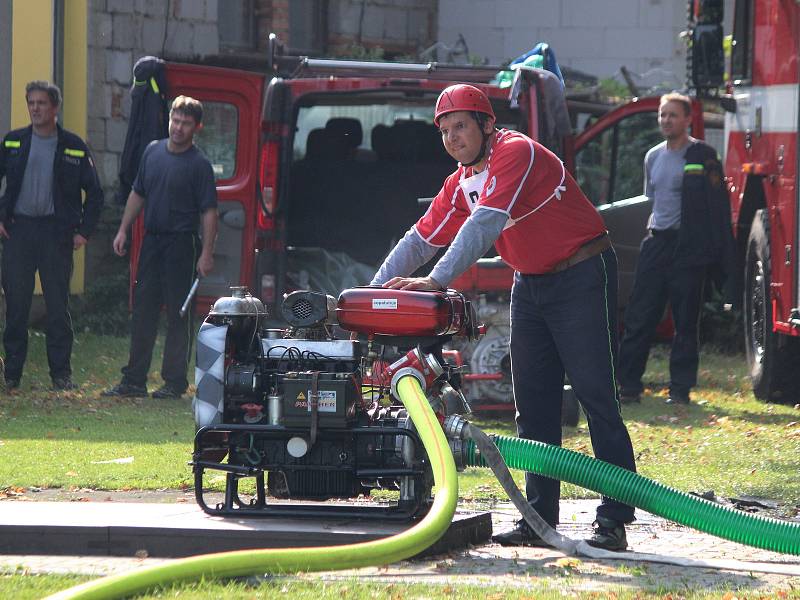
[
  {"x": 656, "y": 498},
  {"x": 327, "y": 558}
]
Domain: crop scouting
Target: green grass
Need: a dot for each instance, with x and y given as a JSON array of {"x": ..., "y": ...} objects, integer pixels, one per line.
[
  {"x": 726, "y": 441},
  {"x": 23, "y": 587}
]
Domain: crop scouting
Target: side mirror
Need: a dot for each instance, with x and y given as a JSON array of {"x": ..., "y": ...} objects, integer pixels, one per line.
[{"x": 708, "y": 60}]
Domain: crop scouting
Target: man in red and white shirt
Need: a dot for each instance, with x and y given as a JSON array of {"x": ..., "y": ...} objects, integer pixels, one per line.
[{"x": 514, "y": 193}]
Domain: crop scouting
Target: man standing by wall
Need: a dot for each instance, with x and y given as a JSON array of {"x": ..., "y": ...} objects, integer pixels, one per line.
[
  {"x": 689, "y": 231},
  {"x": 175, "y": 186},
  {"x": 43, "y": 218}
]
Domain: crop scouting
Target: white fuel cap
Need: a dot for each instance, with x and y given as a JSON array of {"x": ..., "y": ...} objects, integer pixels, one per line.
[{"x": 297, "y": 447}]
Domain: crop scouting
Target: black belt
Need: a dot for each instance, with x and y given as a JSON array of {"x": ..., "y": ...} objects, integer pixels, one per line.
[{"x": 664, "y": 232}]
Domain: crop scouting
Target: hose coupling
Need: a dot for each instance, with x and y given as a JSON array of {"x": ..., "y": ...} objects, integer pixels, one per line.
[
  {"x": 423, "y": 367},
  {"x": 455, "y": 430}
]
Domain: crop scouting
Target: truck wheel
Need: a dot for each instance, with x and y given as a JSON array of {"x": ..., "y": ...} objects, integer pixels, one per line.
[{"x": 769, "y": 354}]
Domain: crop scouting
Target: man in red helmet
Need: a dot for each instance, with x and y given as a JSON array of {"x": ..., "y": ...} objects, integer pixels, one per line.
[{"x": 514, "y": 193}]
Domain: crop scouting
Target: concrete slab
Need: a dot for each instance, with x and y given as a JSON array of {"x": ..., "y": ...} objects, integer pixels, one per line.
[{"x": 176, "y": 530}]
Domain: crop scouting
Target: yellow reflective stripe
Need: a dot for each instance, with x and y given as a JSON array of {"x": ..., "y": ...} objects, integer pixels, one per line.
[
  {"x": 693, "y": 167},
  {"x": 154, "y": 85},
  {"x": 12, "y": 143},
  {"x": 137, "y": 82},
  {"x": 73, "y": 152}
]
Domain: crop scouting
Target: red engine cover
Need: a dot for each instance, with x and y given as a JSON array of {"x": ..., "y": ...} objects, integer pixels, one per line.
[{"x": 382, "y": 311}]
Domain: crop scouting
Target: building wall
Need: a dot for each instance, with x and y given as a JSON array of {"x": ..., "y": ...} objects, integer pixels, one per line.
[
  {"x": 595, "y": 37},
  {"x": 398, "y": 26},
  {"x": 5, "y": 65}
]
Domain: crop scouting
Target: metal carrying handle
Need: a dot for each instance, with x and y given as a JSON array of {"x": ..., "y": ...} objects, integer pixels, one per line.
[{"x": 189, "y": 297}]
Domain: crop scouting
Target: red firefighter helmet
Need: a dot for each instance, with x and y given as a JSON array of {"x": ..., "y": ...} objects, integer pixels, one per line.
[{"x": 461, "y": 97}]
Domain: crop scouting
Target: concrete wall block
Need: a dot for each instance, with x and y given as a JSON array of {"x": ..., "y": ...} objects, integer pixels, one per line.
[
  {"x": 97, "y": 65},
  {"x": 120, "y": 6},
  {"x": 96, "y": 135},
  {"x": 100, "y": 30},
  {"x": 520, "y": 39},
  {"x": 124, "y": 31},
  {"x": 656, "y": 13},
  {"x": 189, "y": 9},
  {"x": 418, "y": 26},
  {"x": 100, "y": 101},
  {"x": 578, "y": 42},
  {"x": 601, "y": 67},
  {"x": 623, "y": 42},
  {"x": 482, "y": 42},
  {"x": 206, "y": 39},
  {"x": 620, "y": 13},
  {"x": 179, "y": 39},
  {"x": 152, "y": 8},
  {"x": 343, "y": 18},
  {"x": 212, "y": 11},
  {"x": 108, "y": 168},
  {"x": 119, "y": 65},
  {"x": 152, "y": 35},
  {"x": 531, "y": 14},
  {"x": 115, "y": 134}
]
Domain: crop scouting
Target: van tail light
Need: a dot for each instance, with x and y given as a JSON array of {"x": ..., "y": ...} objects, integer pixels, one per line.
[
  {"x": 268, "y": 288},
  {"x": 268, "y": 176}
]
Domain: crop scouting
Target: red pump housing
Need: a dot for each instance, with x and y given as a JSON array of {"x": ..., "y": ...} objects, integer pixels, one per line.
[{"x": 407, "y": 313}]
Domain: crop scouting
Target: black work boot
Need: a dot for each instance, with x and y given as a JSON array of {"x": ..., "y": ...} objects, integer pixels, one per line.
[
  {"x": 63, "y": 384},
  {"x": 608, "y": 535},
  {"x": 126, "y": 390},
  {"x": 520, "y": 535},
  {"x": 678, "y": 397},
  {"x": 167, "y": 391}
]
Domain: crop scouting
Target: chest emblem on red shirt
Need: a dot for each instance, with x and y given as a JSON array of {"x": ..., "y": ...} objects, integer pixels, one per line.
[{"x": 491, "y": 186}]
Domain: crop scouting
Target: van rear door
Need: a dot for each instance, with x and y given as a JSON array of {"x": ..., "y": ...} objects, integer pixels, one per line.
[{"x": 230, "y": 139}]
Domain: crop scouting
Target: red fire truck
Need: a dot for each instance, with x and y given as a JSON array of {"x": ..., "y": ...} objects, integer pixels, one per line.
[
  {"x": 761, "y": 166},
  {"x": 322, "y": 165}
]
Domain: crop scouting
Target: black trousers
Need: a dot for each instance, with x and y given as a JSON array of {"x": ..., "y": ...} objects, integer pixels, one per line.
[
  {"x": 566, "y": 322},
  {"x": 37, "y": 244},
  {"x": 164, "y": 276},
  {"x": 657, "y": 281}
]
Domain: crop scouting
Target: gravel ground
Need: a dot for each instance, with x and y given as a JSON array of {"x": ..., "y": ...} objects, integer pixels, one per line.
[{"x": 496, "y": 565}]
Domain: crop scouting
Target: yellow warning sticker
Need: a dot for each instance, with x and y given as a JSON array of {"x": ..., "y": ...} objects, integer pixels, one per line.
[{"x": 301, "y": 396}]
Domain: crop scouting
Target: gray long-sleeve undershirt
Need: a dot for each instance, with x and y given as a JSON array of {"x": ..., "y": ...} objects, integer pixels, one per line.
[{"x": 474, "y": 238}]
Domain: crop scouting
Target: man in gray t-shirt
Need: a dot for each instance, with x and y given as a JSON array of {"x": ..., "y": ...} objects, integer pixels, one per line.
[
  {"x": 660, "y": 278},
  {"x": 175, "y": 188}
]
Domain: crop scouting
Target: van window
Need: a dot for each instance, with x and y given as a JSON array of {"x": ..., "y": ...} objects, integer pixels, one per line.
[
  {"x": 610, "y": 166},
  {"x": 219, "y": 136},
  {"x": 317, "y": 117}
]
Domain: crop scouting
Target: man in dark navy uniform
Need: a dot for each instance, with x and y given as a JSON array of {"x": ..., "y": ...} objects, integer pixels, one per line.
[{"x": 43, "y": 219}]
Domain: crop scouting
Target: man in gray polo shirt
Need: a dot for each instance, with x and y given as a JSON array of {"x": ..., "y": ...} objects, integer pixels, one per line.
[{"x": 686, "y": 236}]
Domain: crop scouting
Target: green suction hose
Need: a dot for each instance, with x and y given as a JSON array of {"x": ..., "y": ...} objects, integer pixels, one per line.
[
  {"x": 378, "y": 552},
  {"x": 630, "y": 488}
]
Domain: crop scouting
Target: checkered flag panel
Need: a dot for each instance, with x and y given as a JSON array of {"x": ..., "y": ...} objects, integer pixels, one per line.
[{"x": 209, "y": 374}]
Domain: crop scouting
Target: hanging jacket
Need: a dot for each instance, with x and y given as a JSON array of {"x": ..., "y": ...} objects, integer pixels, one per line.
[
  {"x": 148, "y": 119},
  {"x": 705, "y": 237},
  {"x": 73, "y": 171}
]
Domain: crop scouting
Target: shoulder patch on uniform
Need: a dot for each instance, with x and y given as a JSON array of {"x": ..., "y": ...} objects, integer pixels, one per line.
[
  {"x": 12, "y": 143},
  {"x": 491, "y": 186}
]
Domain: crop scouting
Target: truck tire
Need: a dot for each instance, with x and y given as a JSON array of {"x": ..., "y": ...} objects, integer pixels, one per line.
[{"x": 770, "y": 355}]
